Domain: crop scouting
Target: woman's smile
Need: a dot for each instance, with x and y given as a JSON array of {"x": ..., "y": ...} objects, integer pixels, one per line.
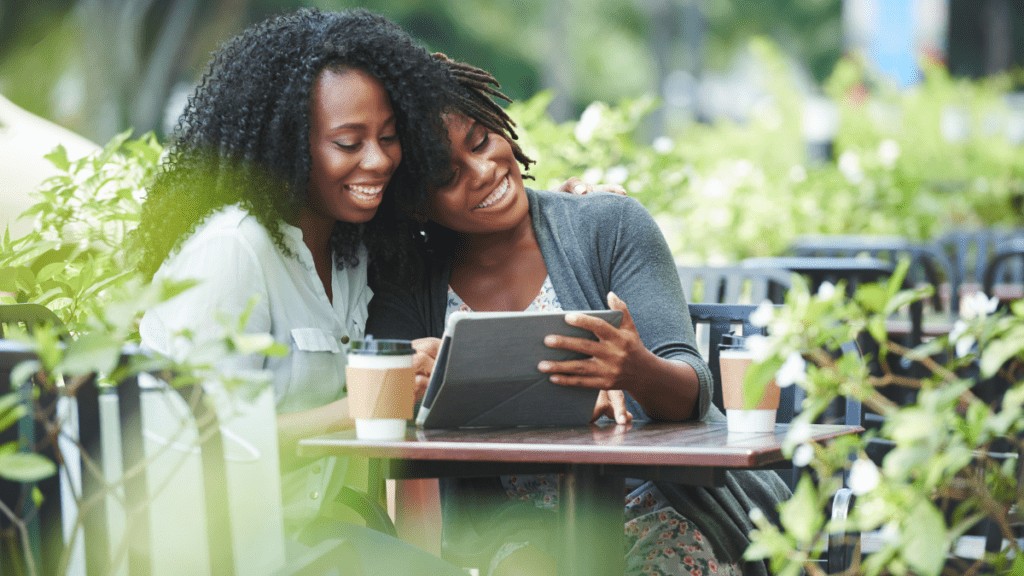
[
  {"x": 497, "y": 195},
  {"x": 367, "y": 193}
]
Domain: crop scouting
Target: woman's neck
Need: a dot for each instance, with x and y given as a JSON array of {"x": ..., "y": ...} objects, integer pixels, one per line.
[
  {"x": 500, "y": 271},
  {"x": 497, "y": 249}
]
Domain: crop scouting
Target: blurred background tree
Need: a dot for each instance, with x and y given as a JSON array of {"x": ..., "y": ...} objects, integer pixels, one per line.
[{"x": 100, "y": 66}]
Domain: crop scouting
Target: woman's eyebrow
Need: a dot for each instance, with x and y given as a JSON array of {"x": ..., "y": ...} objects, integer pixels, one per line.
[{"x": 470, "y": 134}]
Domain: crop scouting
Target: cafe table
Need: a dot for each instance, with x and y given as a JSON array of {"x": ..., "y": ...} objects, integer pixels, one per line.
[{"x": 594, "y": 461}]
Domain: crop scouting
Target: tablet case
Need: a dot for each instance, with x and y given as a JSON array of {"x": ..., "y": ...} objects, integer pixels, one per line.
[{"x": 486, "y": 372}]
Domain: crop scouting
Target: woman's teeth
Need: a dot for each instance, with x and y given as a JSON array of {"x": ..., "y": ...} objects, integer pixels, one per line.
[
  {"x": 365, "y": 192},
  {"x": 497, "y": 195}
]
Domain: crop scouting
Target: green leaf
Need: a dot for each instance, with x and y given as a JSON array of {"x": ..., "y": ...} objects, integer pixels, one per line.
[
  {"x": 924, "y": 539},
  {"x": 11, "y": 410},
  {"x": 801, "y": 516},
  {"x": 22, "y": 467},
  {"x": 91, "y": 352},
  {"x": 59, "y": 158},
  {"x": 23, "y": 372},
  {"x": 998, "y": 351}
]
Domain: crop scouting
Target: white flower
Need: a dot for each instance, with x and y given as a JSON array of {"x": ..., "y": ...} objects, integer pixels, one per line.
[
  {"x": 978, "y": 305},
  {"x": 964, "y": 346},
  {"x": 588, "y": 123},
  {"x": 758, "y": 347},
  {"x": 827, "y": 290},
  {"x": 617, "y": 174},
  {"x": 663, "y": 145},
  {"x": 849, "y": 165},
  {"x": 793, "y": 371},
  {"x": 888, "y": 152},
  {"x": 757, "y": 516},
  {"x": 799, "y": 432},
  {"x": 797, "y": 173},
  {"x": 864, "y": 476},
  {"x": 803, "y": 455},
  {"x": 964, "y": 342},
  {"x": 763, "y": 315}
]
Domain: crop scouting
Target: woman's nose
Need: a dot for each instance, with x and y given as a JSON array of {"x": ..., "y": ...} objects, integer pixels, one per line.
[
  {"x": 379, "y": 159},
  {"x": 479, "y": 170}
]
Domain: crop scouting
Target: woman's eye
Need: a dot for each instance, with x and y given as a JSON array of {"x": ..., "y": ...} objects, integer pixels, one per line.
[
  {"x": 347, "y": 146},
  {"x": 483, "y": 142},
  {"x": 390, "y": 138}
]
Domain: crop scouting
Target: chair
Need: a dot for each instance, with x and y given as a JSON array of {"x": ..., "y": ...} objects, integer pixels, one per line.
[
  {"x": 43, "y": 521},
  {"x": 733, "y": 284},
  {"x": 27, "y": 317},
  {"x": 720, "y": 319},
  {"x": 149, "y": 472},
  {"x": 1004, "y": 272},
  {"x": 929, "y": 266},
  {"x": 969, "y": 253}
]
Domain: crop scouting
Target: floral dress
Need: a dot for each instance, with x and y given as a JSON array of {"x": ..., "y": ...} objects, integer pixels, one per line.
[{"x": 658, "y": 539}]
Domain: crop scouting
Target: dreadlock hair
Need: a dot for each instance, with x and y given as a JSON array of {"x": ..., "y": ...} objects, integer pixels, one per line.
[
  {"x": 243, "y": 137},
  {"x": 474, "y": 96},
  {"x": 474, "y": 93}
]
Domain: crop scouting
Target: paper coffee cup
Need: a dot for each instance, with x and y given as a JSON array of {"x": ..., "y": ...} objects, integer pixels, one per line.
[
  {"x": 380, "y": 378},
  {"x": 733, "y": 364}
]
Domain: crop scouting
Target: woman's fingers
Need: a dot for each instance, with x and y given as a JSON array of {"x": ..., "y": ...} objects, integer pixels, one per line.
[
  {"x": 612, "y": 403},
  {"x": 423, "y": 363}
]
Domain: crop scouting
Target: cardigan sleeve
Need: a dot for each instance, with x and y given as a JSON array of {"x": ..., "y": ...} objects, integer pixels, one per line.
[{"x": 643, "y": 275}]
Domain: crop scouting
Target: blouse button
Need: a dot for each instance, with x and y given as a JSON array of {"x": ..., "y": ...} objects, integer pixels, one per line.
[
  {"x": 344, "y": 339},
  {"x": 315, "y": 494}
]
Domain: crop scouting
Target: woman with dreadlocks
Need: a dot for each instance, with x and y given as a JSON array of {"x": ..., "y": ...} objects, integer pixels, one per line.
[
  {"x": 493, "y": 244},
  {"x": 283, "y": 179}
]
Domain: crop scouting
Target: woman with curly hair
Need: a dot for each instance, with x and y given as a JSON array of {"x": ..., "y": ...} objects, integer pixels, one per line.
[{"x": 284, "y": 176}]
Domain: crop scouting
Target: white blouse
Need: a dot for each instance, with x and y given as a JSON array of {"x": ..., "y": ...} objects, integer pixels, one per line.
[{"x": 234, "y": 259}]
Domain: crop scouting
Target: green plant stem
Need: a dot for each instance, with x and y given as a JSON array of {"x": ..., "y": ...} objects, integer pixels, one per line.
[{"x": 19, "y": 525}]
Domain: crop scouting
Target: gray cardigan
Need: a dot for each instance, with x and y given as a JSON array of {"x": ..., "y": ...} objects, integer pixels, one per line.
[{"x": 592, "y": 245}]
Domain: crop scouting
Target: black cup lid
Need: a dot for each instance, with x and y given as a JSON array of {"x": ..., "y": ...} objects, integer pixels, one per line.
[
  {"x": 383, "y": 347},
  {"x": 732, "y": 341}
]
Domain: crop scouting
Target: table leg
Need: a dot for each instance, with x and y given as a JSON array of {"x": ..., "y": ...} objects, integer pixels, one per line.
[{"x": 592, "y": 522}]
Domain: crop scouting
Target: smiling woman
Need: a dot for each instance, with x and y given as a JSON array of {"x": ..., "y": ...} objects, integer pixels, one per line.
[
  {"x": 279, "y": 196},
  {"x": 496, "y": 245}
]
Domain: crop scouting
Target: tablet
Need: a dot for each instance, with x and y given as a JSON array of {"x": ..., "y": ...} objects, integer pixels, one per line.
[{"x": 486, "y": 372}]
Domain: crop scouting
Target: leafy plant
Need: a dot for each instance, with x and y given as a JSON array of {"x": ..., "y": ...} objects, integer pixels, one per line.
[
  {"x": 954, "y": 452},
  {"x": 947, "y": 153},
  {"x": 73, "y": 262},
  {"x": 74, "y": 258}
]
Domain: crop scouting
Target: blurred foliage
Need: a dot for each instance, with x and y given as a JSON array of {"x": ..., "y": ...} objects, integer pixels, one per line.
[
  {"x": 912, "y": 163},
  {"x": 102, "y": 67},
  {"x": 955, "y": 447},
  {"x": 74, "y": 258}
]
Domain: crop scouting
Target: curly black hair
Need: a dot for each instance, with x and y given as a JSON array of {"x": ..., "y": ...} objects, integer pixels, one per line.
[{"x": 244, "y": 135}]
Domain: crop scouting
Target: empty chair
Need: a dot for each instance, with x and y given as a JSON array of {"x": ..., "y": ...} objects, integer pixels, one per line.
[
  {"x": 1004, "y": 272},
  {"x": 733, "y": 284},
  {"x": 928, "y": 266},
  {"x": 969, "y": 253}
]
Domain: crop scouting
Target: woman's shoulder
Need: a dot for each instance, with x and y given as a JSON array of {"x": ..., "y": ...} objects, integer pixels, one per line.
[
  {"x": 230, "y": 225},
  {"x": 599, "y": 206}
]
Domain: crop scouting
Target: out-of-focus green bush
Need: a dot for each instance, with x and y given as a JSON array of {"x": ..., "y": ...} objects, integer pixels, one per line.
[{"x": 947, "y": 153}]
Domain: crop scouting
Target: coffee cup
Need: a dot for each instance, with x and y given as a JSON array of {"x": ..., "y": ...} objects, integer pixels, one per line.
[
  {"x": 380, "y": 383},
  {"x": 734, "y": 359}
]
